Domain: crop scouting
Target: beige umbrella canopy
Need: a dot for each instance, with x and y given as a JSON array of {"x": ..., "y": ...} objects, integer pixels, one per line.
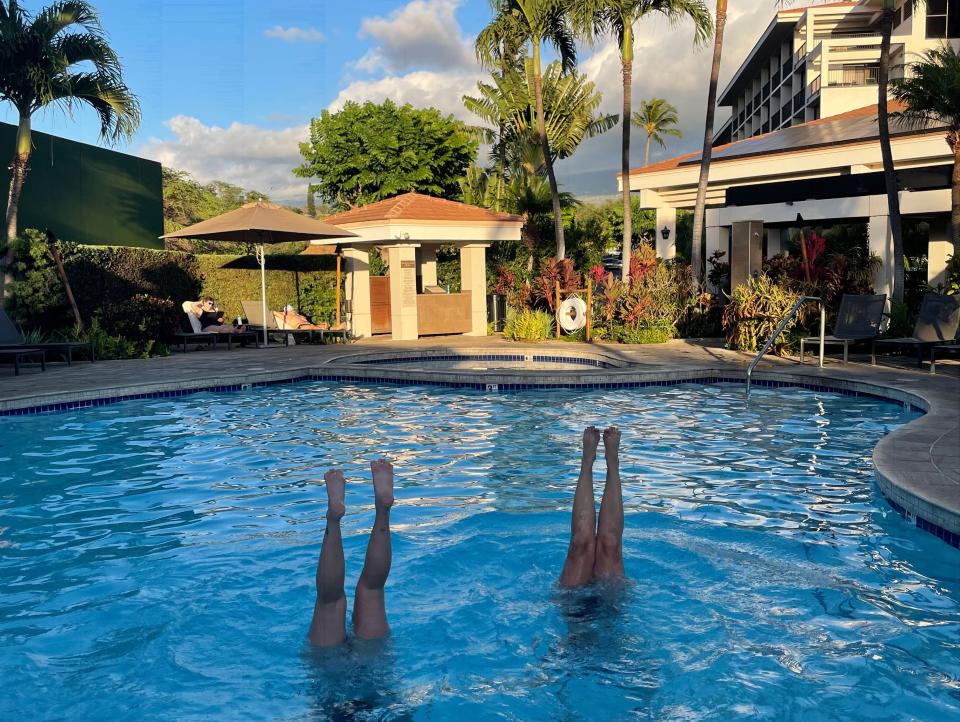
[{"x": 260, "y": 223}]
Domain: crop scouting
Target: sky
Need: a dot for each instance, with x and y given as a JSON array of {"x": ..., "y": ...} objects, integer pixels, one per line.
[{"x": 228, "y": 87}]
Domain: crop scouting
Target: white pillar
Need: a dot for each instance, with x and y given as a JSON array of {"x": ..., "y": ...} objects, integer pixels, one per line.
[
  {"x": 881, "y": 244},
  {"x": 666, "y": 218},
  {"x": 357, "y": 291},
  {"x": 718, "y": 239},
  {"x": 427, "y": 263},
  {"x": 773, "y": 242},
  {"x": 939, "y": 247},
  {"x": 403, "y": 292},
  {"x": 473, "y": 280}
]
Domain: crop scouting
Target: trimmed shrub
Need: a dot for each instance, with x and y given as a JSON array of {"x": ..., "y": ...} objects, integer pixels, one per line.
[
  {"x": 645, "y": 334},
  {"x": 307, "y": 283},
  {"x": 527, "y": 325}
]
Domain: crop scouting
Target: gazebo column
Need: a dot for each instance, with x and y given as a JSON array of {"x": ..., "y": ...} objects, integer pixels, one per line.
[
  {"x": 666, "y": 247},
  {"x": 473, "y": 280},
  {"x": 939, "y": 248},
  {"x": 427, "y": 263},
  {"x": 357, "y": 290},
  {"x": 881, "y": 244},
  {"x": 403, "y": 292}
]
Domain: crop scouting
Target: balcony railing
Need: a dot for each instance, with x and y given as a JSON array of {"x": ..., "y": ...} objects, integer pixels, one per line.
[
  {"x": 800, "y": 54},
  {"x": 814, "y": 87},
  {"x": 787, "y": 67},
  {"x": 857, "y": 75},
  {"x": 798, "y": 100},
  {"x": 775, "y": 78}
]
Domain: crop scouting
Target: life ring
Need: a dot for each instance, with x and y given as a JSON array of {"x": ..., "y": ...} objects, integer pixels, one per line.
[{"x": 572, "y": 314}]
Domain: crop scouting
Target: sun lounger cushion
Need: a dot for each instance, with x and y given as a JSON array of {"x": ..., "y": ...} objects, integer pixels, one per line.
[{"x": 187, "y": 307}]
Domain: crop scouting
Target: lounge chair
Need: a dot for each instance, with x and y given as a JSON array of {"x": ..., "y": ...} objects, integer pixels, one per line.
[
  {"x": 858, "y": 320},
  {"x": 936, "y": 326},
  {"x": 11, "y": 339},
  {"x": 192, "y": 333},
  {"x": 952, "y": 348},
  {"x": 254, "y": 315},
  {"x": 21, "y": 354}
]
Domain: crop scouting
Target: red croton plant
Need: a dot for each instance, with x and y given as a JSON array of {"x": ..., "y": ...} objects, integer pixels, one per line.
[{"x": 552, "y": 271}]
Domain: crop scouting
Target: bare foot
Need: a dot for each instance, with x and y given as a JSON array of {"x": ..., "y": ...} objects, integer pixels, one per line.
[
  {"x": 382, "y": 483},
  {"x": 591, "y": 438},
  {"x": 611, "y": 441},
  {"x": 335, "y": 492}
]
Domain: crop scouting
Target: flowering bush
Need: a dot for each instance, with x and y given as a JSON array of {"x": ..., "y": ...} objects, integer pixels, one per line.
[{"x": 755, "y": 310}]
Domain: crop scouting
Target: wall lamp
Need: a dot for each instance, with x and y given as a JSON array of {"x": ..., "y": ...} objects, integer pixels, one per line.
[{"x": 665, "y": 232}]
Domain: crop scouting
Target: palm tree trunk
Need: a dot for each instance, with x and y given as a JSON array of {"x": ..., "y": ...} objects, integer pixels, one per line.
[
  {"x": 889, "y": 177},
  {"x": 19, "y": 167},
  {"x": 547, "y": 159},
  {"x": 955, "y": 194},
  {"x": 625, "y": 166},
  {"x": 646, "y": 153},
  {"x": 696, "y": 259}
]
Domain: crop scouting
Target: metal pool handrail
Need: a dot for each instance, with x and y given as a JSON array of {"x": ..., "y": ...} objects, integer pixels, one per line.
[{"x": 783, "y": 323}]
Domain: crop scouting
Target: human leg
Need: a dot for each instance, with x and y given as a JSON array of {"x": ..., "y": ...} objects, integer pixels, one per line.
[
  {"x": 328, "y": 626},
  {"x": 609, "y": 554},
  {"x": 578, "y": 566},
  {"x": 369, "y": 605}
]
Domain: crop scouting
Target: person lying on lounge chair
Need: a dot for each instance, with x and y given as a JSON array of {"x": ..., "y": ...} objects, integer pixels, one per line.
[
  {"x": 290, "y": 319},
  {"x": 211, "y": 319},
  {"x": 328, "y": 626}
]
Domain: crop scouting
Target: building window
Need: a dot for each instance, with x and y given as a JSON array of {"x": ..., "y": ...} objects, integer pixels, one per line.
[
  {"x": 898, "y": 17},
  {"x": 943, "y": 19},
  {"x": 907, "y": 9}
]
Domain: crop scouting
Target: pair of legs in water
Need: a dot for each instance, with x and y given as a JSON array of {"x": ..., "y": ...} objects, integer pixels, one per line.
[{"x": 595, "y": 550}]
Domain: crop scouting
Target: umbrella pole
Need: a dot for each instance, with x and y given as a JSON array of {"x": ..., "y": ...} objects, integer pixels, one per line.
[{"x": 261, "y": 256}]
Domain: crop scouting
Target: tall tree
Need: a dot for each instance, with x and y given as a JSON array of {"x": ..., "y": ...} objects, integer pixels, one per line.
[
  {"x": 886, "y": 152},
  {"x": 931, "y": 93},
  {"x": 536, "y": 23},
  {"x": 60, "y": 57},
  {"x": 618, "y": 17},
  {"x": 696, "y": 255},
  {"x": 365, "y": 153},
  {"x": 657, "y": 118}
]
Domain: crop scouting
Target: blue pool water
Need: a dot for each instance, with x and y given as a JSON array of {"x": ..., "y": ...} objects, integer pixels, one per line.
[{"x": 157, "y": 560}]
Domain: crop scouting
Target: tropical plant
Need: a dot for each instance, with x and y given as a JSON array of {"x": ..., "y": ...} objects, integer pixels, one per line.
[
  {"x": 365, "y": 153},
  {"x": 618, "y": 17},
  {"x": 528, "y": 325},
  {"x": 931, "y": 93},
  {"x": 534, "y": 23},
  {"x": 59, "y": 57},
  {"x": 754, "y": 311},
  {"x": 696, "y": 254},
  {"x": 657, "y": 118}
]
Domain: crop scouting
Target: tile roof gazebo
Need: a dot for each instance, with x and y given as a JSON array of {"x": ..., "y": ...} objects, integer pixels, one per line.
[{"x": 411, "y": 226}]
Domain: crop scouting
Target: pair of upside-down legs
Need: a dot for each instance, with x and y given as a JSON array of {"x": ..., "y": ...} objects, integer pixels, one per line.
[{"x": 595, "y": 550}]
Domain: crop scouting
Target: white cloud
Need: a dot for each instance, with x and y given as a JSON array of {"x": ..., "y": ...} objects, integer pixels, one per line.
[
  {"x": 294, "y": 35},
  {"x": 245, "y": 155},
  {"x": 422, "y": 89},
  {"x": 421, "y": 34}
]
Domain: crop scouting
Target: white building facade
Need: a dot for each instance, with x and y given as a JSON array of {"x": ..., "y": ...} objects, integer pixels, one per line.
[{"x": 803, "y": 139}]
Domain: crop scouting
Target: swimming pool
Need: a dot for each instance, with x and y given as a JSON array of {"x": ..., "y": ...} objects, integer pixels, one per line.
[{"x": 158, "y": 559}]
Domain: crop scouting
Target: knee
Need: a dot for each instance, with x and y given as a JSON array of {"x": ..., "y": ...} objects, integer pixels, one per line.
[
  {"x": 582, "y": 544},
  {"x": 608, "y": 545}
]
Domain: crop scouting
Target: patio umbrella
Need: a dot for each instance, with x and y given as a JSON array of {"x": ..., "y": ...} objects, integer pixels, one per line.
[{"x": 260, "y": 223}]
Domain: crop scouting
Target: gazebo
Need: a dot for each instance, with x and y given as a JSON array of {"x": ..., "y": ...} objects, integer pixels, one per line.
[{"x": 408, "y": 303}]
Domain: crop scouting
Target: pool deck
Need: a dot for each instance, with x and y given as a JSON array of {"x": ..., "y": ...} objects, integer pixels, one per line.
[{"x": 918, "y": 465}]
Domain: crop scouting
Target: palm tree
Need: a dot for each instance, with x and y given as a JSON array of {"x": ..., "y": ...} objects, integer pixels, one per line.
[
  {"x": 657, "y": 117},
  {"x": 696, "y": 256},
  {"x": 535, "y": 22},
  {"x": 932, "y": 95},
  {"x": 570, "y": 104},
  {"x": 617, "y": 17},
  {"x": 43, "y": 63}
]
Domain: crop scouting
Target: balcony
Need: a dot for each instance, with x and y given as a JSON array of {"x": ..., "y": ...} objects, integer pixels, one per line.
[
  {"x": 775, "y": 78},
  {"x": 787, "y": 67},
  {"x": 801, "y": 53},
  {"x": 798, "y": 100},
  {"x": 853, "y": 75},
  {"x": 765, "y": 90},
  {"x": 814, "y": 87}
]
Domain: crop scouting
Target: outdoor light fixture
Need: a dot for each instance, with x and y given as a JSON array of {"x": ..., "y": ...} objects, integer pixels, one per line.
[
  {"x": 799, "y": 220},
  {"x": 665, "y": 232}
]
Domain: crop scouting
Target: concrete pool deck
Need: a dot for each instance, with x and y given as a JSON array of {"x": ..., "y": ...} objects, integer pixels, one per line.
[{"x": 918, "y": 465}]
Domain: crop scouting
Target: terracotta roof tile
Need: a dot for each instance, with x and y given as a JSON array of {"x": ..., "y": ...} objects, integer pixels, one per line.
[{"x": 418, "y": 207}]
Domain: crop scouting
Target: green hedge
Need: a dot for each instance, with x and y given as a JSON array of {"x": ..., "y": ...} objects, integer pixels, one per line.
[{"x": 306, "y": 282}]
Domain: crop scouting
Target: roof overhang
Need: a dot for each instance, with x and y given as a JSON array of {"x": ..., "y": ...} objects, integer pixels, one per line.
[{"x": 403, "y": 232}]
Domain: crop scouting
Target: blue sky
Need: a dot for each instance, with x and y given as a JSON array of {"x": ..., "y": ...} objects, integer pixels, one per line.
[{"x": 228, "y": 86}]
